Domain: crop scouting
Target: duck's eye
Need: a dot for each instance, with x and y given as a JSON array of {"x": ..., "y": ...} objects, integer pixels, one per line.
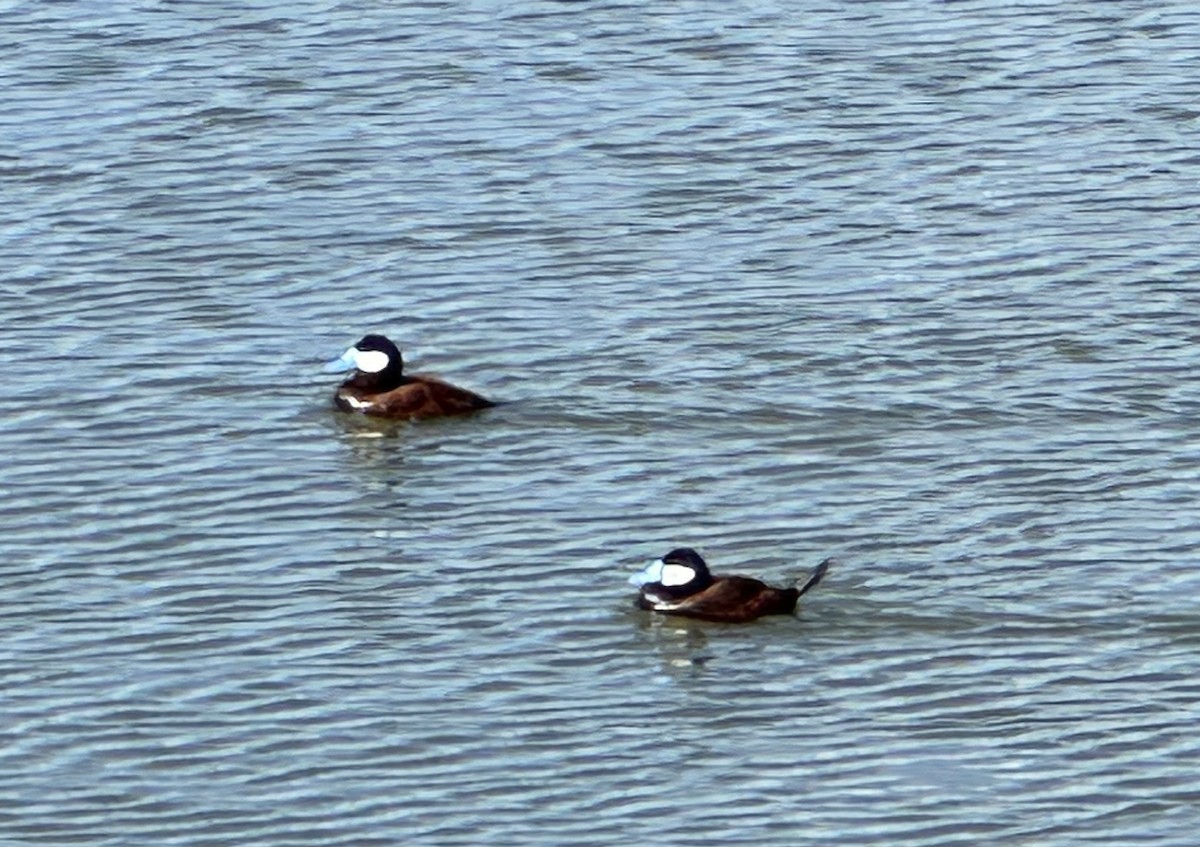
[
  {"x": 676, "y": 575},
  {"x": 370, "y": 361}
]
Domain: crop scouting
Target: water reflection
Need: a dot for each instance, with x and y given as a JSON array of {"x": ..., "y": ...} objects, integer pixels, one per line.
[{"x": 681, "y": 646}]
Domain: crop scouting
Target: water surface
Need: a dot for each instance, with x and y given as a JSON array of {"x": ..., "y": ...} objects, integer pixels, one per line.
[{"x": 910, "y": 284}]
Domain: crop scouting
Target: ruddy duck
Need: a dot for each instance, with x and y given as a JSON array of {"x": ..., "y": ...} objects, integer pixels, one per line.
[
  {"x": 380, "y": 387},
  {"x": 680, "y": 584}
]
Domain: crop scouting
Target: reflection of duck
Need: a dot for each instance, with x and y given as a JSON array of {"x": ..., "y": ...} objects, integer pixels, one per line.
[
  {"x": 680, "y": 584},
  {"x": 682, "y": 645},
  {"x": 379, "y": 386}
]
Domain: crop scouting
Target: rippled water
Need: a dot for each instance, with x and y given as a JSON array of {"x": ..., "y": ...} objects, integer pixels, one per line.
[{"x": 913, "y": 284}]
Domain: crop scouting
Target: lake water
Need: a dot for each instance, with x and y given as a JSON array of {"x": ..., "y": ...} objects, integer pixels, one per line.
[{"x": 910, "y": 284}]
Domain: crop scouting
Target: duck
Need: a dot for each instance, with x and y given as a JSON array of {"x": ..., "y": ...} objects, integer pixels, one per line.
[
  {"x": 680, "y": 584},
  {"x": 380, "y": 387}
]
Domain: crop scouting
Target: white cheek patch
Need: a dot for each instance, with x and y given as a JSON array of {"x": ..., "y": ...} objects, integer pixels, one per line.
[
  {"x": 369, "y": 361},
  {"x": 676, "y": 575}
]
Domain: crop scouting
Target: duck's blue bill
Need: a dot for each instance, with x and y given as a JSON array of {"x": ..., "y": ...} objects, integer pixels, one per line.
[
  {"x": 344, "y": 363},
  {"x": 651, "y": 573}
]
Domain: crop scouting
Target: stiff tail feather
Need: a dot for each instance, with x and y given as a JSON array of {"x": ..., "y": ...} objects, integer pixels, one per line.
[{"x": 815, "y": 577}]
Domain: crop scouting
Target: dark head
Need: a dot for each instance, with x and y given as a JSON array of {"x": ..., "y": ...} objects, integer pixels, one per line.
[
  {"x": 680, "y": 573},
  {"x": 375, "y": 359}
]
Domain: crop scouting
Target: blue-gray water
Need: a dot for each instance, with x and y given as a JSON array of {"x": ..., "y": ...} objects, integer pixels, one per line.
[{"x": 912, "y": 284}]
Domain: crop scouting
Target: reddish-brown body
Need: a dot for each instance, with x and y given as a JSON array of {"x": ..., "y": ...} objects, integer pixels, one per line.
[
  {"x": 417, "y": 397},
  {"x": 730, "y": 599}
]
